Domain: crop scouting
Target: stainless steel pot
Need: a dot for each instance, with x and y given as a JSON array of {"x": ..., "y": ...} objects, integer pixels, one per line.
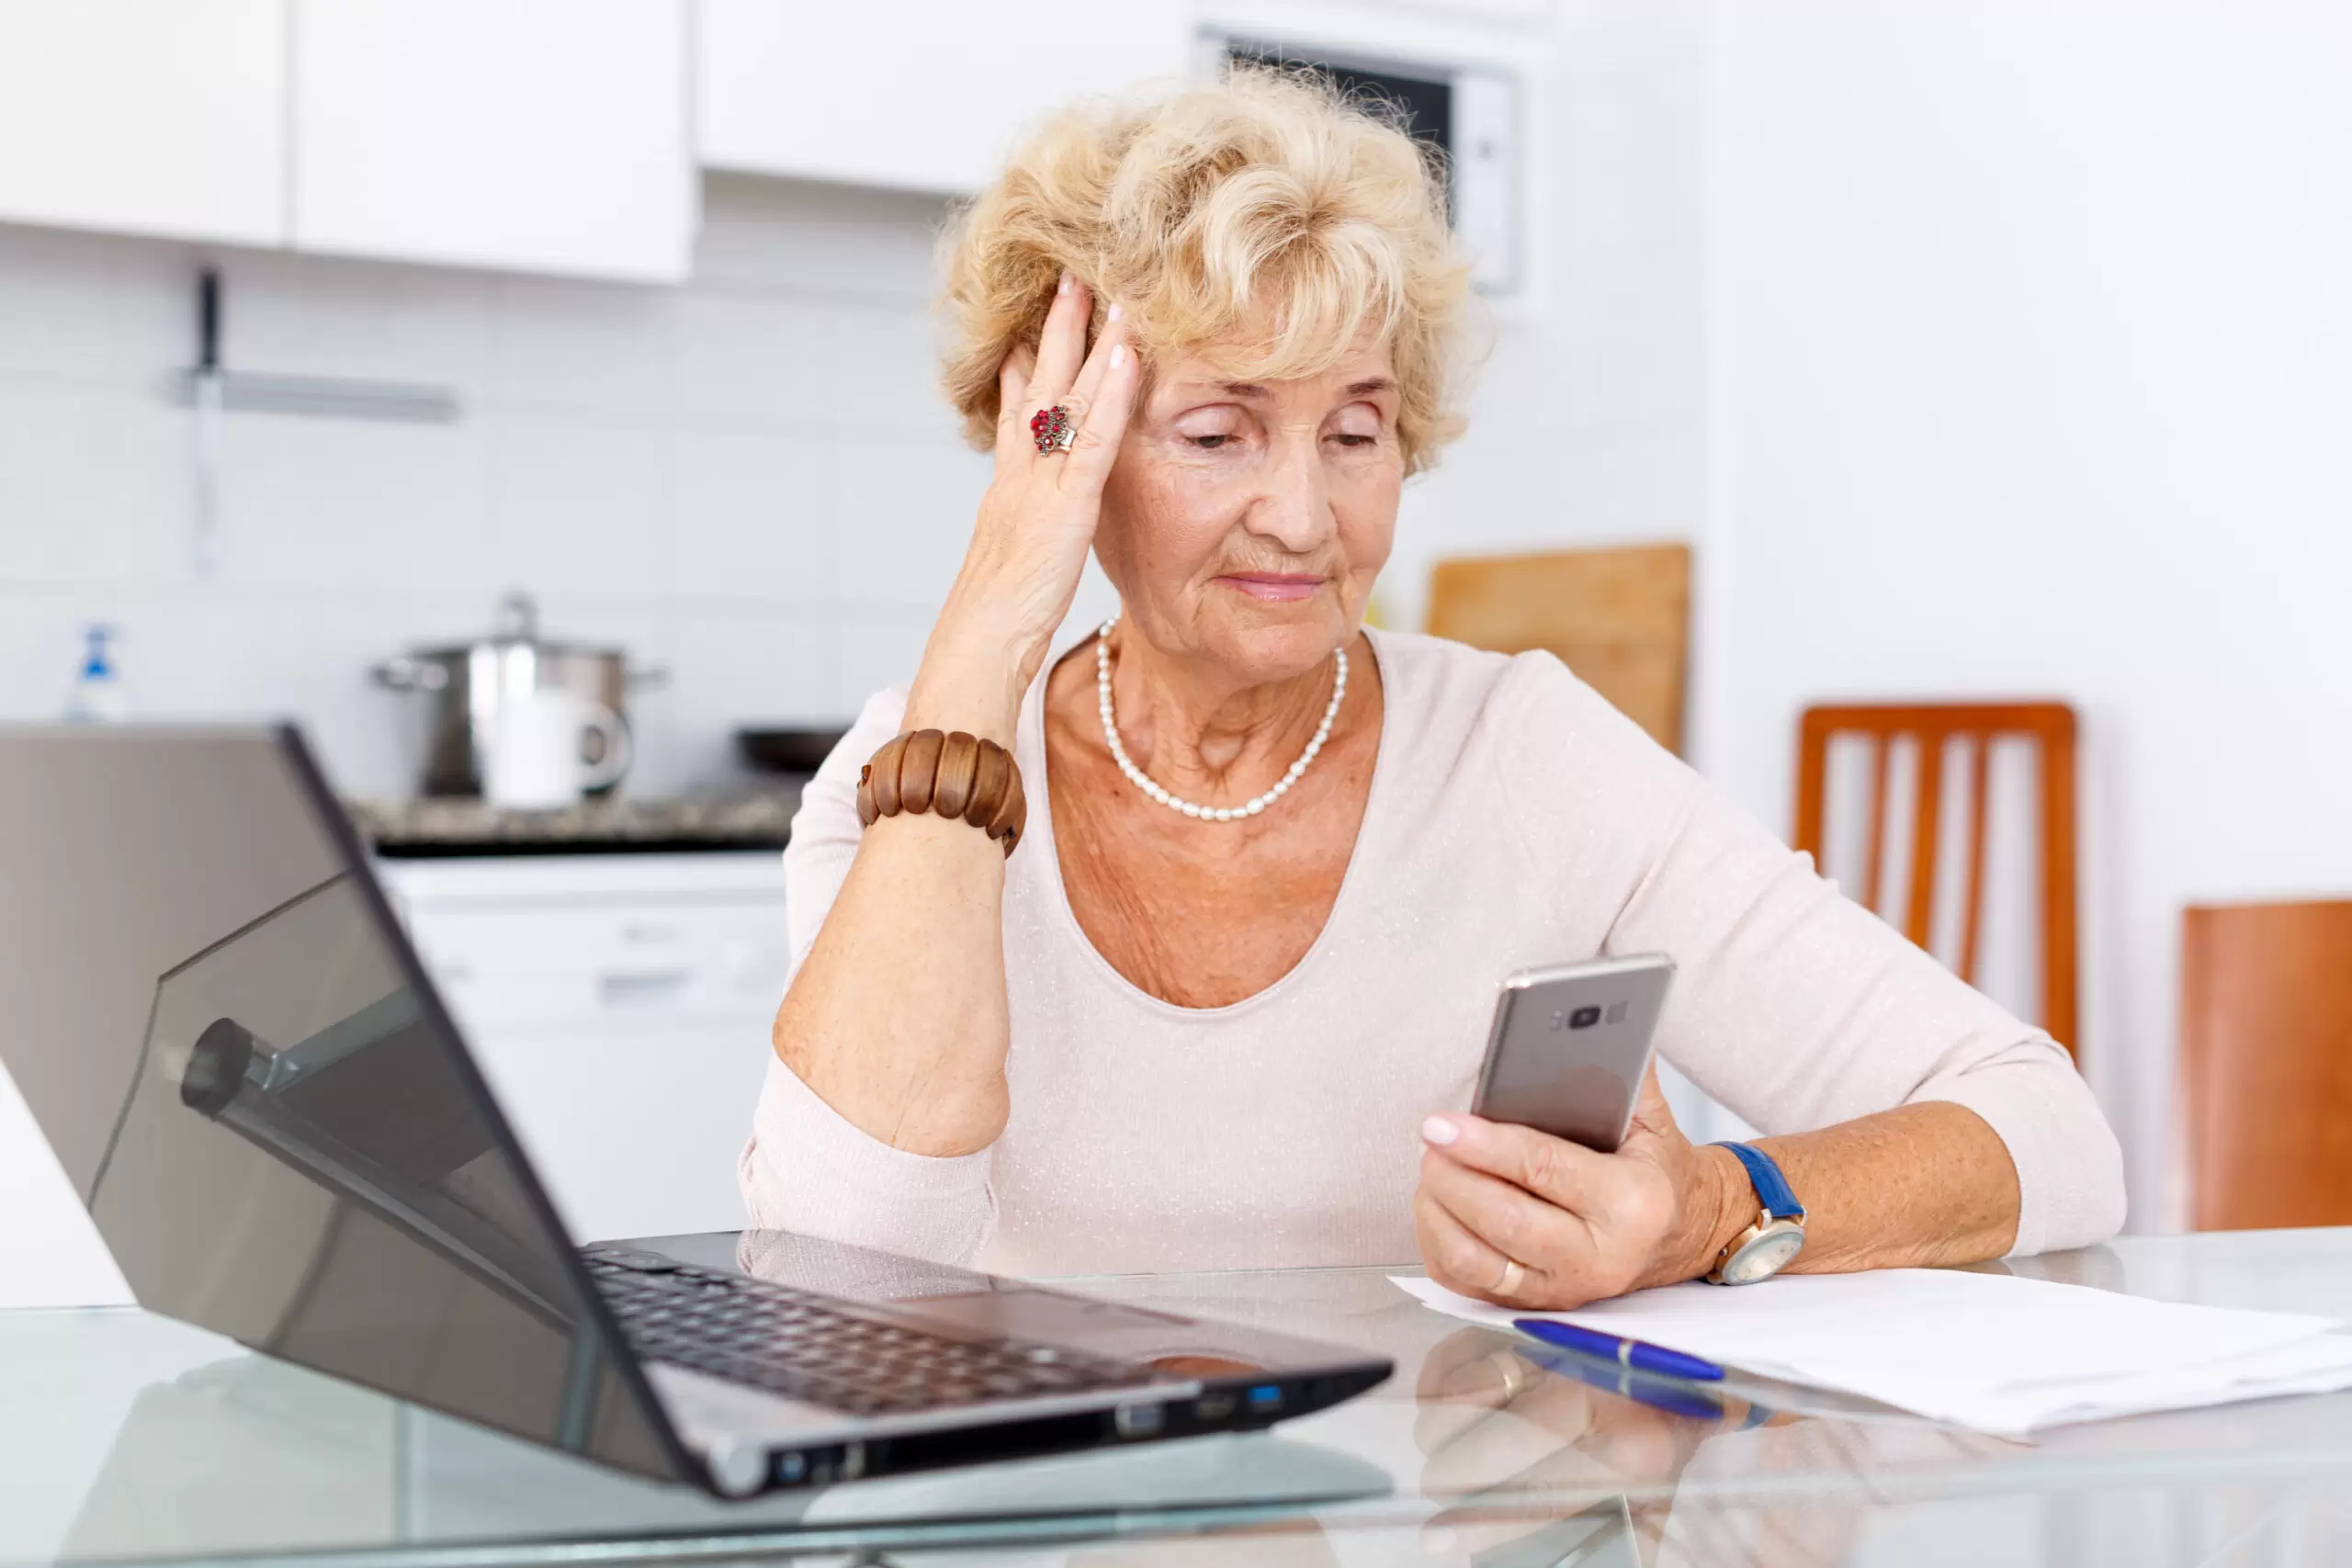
[{"x": 467, "y": 681}]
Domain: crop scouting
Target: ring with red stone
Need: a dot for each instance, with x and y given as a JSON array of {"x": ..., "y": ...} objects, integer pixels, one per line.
[{"x": 1053, "y": 429}]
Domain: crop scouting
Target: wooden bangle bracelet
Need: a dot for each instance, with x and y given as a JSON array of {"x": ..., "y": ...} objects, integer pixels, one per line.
[{"x": 952, "y": 774}]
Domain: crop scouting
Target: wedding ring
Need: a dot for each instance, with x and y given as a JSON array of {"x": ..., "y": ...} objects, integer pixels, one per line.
[
  {"x": 1511, "y": 1372},
  {"x": 1513, "y": 1277},
  {"x": 1053, "y": 429}
]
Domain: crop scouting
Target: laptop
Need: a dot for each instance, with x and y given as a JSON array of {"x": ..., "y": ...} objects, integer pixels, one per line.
[{"x": 239, "y": 1061}]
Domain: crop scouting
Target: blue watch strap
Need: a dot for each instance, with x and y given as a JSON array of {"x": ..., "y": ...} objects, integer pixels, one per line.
[{"x": 1772, "y": 1187}]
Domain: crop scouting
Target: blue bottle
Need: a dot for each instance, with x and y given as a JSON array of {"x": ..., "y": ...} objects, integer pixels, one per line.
[{"x": 98, "y": 693}]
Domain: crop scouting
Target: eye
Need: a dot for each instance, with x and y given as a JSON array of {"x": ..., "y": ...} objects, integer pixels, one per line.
[
  {"x": 1357, "y": 427},
  {"x": 1210, "y": 429}
]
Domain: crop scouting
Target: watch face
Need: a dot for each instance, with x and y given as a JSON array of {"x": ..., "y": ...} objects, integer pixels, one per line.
[{"x": 1764, "y": 1257}]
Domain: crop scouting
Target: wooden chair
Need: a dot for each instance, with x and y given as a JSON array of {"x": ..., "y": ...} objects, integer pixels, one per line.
[
  {"x": 2266, "y": 1077},
  {"x": 1619, "y": 618},
  {"x": 1933, "y": 728}
]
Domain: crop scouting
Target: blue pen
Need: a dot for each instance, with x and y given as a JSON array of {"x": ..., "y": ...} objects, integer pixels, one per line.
[
  {"x": 1672, "y": 1395},
  {"x": 1625, "y": 1352}
]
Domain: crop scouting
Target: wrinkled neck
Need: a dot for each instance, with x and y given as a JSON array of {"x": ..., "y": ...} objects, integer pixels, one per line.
[{"x": 1201, "y": 734}]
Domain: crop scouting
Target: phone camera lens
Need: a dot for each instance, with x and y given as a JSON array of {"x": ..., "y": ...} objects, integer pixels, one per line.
[{"x": 1584, "y": 1018}]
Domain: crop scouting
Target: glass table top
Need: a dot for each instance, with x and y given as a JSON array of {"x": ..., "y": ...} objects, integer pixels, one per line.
[{"x": 129, "y": 1438}]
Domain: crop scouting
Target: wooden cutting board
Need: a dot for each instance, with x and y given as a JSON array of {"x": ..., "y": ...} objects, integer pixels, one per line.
[{"x": 1619, "y": 618}]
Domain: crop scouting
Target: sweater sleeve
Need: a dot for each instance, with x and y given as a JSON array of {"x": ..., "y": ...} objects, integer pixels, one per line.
[
  {"x": 1794, "y": 1006},
  {"x": 807, "y": 1168}
]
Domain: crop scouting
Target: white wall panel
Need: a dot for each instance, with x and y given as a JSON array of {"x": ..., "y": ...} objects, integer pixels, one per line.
[{"x": 2037, "y": 374}]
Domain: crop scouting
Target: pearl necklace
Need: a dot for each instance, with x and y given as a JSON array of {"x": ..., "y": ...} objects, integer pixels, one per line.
[{"x": 1142, "y": 781}]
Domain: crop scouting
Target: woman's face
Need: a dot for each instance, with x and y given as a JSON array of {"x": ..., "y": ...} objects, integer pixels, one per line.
[{"x": 1244, "y": 523}]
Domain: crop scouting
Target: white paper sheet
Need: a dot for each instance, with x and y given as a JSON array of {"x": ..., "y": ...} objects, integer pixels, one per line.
[{"x": 1991, "y": 1351}]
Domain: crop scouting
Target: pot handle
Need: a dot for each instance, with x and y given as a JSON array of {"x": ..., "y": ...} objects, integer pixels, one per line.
[
  {"x": 645, "y": 680},
  {"x": 405, "y": 674}
]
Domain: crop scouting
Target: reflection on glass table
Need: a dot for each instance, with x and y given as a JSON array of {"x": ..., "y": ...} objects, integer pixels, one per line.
[{"x": 134, "y": 1439}]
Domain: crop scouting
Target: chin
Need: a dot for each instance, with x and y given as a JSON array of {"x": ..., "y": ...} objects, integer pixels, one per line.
[{"x": 1283, "y": 640}]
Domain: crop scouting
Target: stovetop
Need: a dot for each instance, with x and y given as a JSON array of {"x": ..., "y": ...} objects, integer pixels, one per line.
[{"x": 432, "y": 827}]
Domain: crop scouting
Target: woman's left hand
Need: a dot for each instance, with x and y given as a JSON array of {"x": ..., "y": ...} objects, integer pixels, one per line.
[{"x": 1582, "y": 1225}]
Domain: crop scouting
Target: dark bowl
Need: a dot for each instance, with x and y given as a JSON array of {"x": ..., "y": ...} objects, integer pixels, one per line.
[{"x": 787, "y": 750}]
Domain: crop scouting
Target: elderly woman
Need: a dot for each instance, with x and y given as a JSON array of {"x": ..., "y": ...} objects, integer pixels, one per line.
[{"x": 1179, "y": 951}]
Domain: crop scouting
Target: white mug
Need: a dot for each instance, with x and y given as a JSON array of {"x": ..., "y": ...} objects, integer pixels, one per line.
[{"x": 538, "y": 757}]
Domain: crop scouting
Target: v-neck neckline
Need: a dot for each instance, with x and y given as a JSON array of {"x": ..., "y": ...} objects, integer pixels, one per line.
[{"x": 1042, "y": 834}]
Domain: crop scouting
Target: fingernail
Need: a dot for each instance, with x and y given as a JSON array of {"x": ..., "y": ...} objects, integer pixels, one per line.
[
  {"x": 1117, "y": 311},
  {"x": 1063, "y": 286},
  {"x": 1118, "y": 355},
  {"x": 1439, "y": 1131}
]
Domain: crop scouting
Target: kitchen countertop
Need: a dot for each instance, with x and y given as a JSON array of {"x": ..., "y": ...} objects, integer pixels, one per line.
[{"x": 432, "y": 828}]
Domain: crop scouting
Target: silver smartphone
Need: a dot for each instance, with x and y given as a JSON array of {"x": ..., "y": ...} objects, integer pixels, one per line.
[{"x": 1570, "y": 1045}]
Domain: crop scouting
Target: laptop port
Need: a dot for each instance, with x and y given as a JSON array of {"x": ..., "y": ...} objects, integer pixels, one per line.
[
  {"x": 1266, "y": 1396},
  {"x": 970, "y": 1445},
  {"x": 819, "y": 1466},
  {"x": 1139, "y": 1420},
  {"x": 1214, "y": 1407}
]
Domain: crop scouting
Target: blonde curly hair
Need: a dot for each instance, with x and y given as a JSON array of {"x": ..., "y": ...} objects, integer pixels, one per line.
[{"x": 1266, "y": 219}]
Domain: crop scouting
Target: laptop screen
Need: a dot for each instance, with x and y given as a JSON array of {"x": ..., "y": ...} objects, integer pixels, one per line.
[{"x": 272, "y": 1121}]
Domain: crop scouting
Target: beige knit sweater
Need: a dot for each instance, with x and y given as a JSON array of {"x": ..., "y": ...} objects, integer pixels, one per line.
[{"x": 1515, "y": 819}]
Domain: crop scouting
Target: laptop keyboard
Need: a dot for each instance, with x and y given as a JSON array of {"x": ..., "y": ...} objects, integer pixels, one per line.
[{"x": 807, "y": 1347}]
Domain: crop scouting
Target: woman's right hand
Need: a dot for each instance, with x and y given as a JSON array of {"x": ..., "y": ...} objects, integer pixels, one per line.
[{"x": 1036, "y": 524}]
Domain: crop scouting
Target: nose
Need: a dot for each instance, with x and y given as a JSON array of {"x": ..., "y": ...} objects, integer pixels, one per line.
[{"x": 1294, "y": 509}]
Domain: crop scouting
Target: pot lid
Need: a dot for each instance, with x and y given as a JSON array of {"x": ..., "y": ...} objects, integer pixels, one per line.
[{"x": 518, "y": 626}]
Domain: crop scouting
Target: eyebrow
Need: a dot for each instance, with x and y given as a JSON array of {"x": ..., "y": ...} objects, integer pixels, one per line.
[{"x": 1252, "y": 390}]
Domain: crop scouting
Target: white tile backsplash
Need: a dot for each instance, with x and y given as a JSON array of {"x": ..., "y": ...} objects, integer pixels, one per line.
[
  {"x": 905, "y": 521},
  {"x": 572, "y": 513},
  {"x": 91, "y": 309},
  {"x": 662, "y": 467},
  {"x": 728, "y": 669},
  {"x": 785, "y": 236},
  {"x": 751, "y": 361},
  {"x": 350, "y": 505},
  {"x": 227, "y": 654},
  {"x": 299, "y": 316},
  {"x": 40, "y": 644},
  {"x": 767, "y": 505},
  {"x": 593, "y": 347},
  {"x": 887, "y": 364},
  {"x": 878, "y": 650},
  {"x": 94, "y": 482}
]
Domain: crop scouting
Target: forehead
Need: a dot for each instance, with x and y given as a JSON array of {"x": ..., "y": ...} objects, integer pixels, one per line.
[{"x": 1191, "y": 374}]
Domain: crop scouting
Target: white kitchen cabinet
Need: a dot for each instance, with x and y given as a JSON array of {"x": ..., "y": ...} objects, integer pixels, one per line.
[
  {"x": 921, "y": 95},
  {"x": 145, "y": 117},
  {"x": 619, "y": 1005},
  {"x": 536, "y": 135}
]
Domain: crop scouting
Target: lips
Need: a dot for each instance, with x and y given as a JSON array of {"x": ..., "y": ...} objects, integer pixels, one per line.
[{"x": 1274, "y": 587}]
